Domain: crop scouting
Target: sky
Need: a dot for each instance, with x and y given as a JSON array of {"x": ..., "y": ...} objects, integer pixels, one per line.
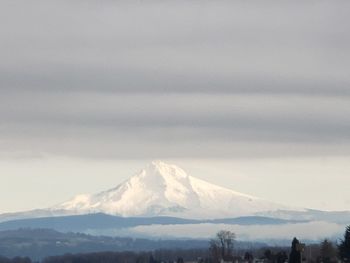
[{"x": 250, "y": 95}]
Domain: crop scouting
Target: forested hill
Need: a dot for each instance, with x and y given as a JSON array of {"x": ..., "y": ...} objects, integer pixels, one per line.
[{"x": 40, "y": 243}]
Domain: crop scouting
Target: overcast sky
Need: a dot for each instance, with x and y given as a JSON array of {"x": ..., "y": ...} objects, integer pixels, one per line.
[{"x": 253, "y": 95}]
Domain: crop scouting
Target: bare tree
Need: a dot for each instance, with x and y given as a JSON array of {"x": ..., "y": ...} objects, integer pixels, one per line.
[{"x": 221, "y": 247}]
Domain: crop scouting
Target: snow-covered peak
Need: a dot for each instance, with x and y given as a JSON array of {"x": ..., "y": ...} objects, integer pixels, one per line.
[
  {"x": 160, "y": 168},
  {"x": 166, "y": 189}
]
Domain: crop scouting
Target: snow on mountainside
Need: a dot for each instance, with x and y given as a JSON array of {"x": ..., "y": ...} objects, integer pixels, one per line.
[{"x": 164, "y": 189}]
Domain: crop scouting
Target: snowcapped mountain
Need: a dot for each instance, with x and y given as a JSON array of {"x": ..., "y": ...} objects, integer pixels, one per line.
[
  {"x": 162, "y": 200},
  {"x": 166, "y": 190}
]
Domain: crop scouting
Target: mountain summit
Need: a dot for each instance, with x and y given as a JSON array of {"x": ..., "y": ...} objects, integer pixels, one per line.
[{"x": 166, "y": 189}]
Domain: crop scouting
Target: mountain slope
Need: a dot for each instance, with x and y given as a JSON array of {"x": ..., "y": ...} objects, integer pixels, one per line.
[{"x": 164, "y": 189}]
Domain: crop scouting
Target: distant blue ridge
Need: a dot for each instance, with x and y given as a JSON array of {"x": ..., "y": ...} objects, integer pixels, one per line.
[{"x": 78, "y": 223}]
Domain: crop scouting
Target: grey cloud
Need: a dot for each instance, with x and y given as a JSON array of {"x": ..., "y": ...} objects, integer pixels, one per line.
[
  {"x": 174, "y": 78},
  {"x": 147, "y": 81},
  {"x": 224, "y": 47},
  {"x": 178, "y": 125}
]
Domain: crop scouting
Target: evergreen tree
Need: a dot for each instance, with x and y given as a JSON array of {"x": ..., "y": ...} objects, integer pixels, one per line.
[
  {"x": 344, "y": 246},
  {"x": 295, "y": 254},
  {"x": 328, "y": 252}
]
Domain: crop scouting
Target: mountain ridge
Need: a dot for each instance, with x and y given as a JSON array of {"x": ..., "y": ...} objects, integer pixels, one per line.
[{"x": 84, "y": 223}]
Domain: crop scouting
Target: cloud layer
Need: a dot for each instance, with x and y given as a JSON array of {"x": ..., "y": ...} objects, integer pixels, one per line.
[
  {"x": 314, "y": 231},
  {"x": 157, "y": 79}
]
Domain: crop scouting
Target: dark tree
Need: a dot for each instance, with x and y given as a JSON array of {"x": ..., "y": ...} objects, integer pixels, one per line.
[
  {"x": 222, "y": 246},
  {"x": 248, "y": 257},
  {"x": 328, "y": 252},
  {"x": 15, "y": 260},
  {"x": 295, "y": 254},
  {"x": 151, "y": 259},
  {"x": 344, "y": 246},
  {"x": 268, "y": 255},
  {"x": 281, "y": 257},
  {"x": 214, "y": 249}
]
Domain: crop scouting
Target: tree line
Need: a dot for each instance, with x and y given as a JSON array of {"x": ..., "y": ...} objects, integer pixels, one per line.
[{"x": 221, "y": 249}]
